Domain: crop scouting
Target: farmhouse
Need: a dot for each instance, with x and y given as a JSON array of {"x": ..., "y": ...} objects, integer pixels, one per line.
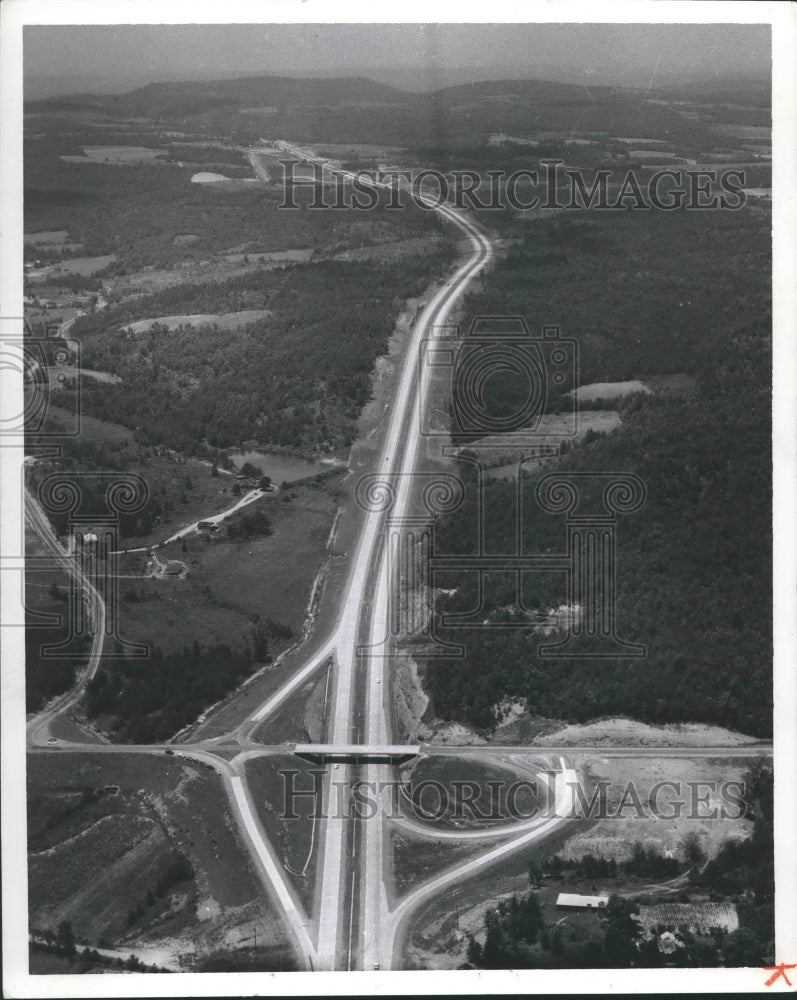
[
  {"x": 574, "y": 901},
  {"x": 668, "y": 943},
  {"x": 173, "y": 568}
]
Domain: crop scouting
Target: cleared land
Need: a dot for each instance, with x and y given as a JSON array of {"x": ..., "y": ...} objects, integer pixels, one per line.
[
  {"x": 103, "y": 830},
  {"x": 283, "y": 791},
  {"x": 115, "y": 155},
  {"x": 638, "y": 807},
  {"x": 607, "y": 390},
  {"x": 83, "y": 266},
  {"x": 225, "y": 321}
]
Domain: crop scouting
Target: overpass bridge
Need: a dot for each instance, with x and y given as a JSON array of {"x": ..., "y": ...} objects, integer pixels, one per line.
[{"x": 356, "y": 753}]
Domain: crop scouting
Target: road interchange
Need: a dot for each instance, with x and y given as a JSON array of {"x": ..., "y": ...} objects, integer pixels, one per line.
[{"x": 355, "y": 923}]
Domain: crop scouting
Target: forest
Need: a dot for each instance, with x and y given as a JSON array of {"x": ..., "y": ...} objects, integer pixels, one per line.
[
  {"x": 694, "y": 563},
  {"x": 137, "y": 211},
  {"x": 47, "y": 675},
  {"x": 146, "y": 701},
  {"x": 298, "y": 377}
]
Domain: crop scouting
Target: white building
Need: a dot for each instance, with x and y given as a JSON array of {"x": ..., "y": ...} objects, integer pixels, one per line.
[{"x": 574, "y": 900}]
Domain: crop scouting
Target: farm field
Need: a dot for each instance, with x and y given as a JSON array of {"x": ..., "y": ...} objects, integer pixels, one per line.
[
  {"x": 115, "y": 155},
  {"x": 98, "y": 432},
  {"x": 53, "y": 237},
  {"x": 83, "y": 266},
  {"x": 230, "y": 581}
]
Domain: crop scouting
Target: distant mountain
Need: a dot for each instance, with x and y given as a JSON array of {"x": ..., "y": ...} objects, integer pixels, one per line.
[
  {"x": 358, "y": 109},
  {"x": 751, "y": 91},
  {"x": 194, "y": 97},
  {"x": 545, "y": 91}
]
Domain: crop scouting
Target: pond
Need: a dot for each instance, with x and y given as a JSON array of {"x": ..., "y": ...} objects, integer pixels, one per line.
[{"x": 281, "y": 468}]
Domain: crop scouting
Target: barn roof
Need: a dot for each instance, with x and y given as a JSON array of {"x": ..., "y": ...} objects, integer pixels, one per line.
[{"x": 574, "y": 899}]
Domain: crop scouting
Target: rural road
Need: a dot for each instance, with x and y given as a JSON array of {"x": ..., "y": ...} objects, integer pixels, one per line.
[
  {"x": 354, "y": 924},
  {"x": 38, "y": 728},
  {"x": 398, "y": 459}
]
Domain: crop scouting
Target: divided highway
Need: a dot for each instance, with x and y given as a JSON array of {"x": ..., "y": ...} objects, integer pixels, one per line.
[
  {"x": 369, "y": 583},
  {"x": 367, "y": 586},
  {"x": 353, "y": 925}
]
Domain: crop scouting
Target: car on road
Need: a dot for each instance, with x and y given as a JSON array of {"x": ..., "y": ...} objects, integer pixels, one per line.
[
  {"x": 170, "y": 753},
  {"x": 52, "y": 740}
]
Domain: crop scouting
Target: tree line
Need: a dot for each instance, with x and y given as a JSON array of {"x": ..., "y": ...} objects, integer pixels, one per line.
[{"x": 694, "y": 563}]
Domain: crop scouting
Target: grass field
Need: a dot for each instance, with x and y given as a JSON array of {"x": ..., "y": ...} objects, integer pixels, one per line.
[
  {"x": 417, "y": 859},
  {"x": 54, "y": 237},
  {"x": 470, "y": 794},
  {"x": 283, "y": 794},
  {"x": 115, "y": 155},
  {"x": 229, "y": 582},
  {"x": 225, "y": 321},
  {"x": 85, "y": 266}
]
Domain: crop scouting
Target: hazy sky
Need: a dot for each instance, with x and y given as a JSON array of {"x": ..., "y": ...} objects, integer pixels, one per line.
[{"x": 415, "y": 56}]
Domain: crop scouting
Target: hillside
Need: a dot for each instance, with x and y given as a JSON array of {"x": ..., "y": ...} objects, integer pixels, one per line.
[
  {"x": 357, "y": 109},
  {"x": 694, "y": 563}
]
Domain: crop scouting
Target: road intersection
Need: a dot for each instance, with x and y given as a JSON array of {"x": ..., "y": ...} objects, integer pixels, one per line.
[{"x": 356, "y": 923}]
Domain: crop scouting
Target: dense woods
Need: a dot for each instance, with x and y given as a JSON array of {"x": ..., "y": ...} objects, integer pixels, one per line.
[
  {"x": 145, "y": 701},
  {"x": 297, "y": 377},
  {"x": 694, "y": 563},
  {"x": 137, "y": 211},
  {"x": 47, "y": 675}
]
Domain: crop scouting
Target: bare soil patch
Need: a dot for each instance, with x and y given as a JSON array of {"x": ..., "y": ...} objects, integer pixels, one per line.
[
  {"x": 629, "y": 732},
  {"x": 163, "y": 807},
  {"x": 225, "y": 321}
]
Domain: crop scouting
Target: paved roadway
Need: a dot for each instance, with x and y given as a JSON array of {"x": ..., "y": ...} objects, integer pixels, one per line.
[
  {"x": 399, "y": 454},
  {"x": 38, "y": 728},
  {"x": 219, "y": 745},
  {"x": 354, "y": 923}
]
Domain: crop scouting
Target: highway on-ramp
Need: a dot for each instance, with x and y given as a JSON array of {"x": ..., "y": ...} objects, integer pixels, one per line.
[{"x": 355, "y": 923}]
